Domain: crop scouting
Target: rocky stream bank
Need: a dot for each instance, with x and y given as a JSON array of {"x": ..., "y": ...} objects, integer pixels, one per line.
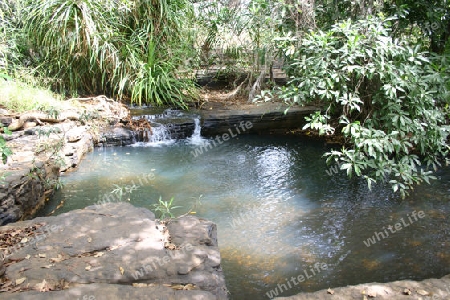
[{"x": 117, "y": 251}]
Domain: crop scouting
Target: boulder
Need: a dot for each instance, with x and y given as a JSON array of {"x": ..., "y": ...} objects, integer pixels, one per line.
[
  {"x": 75, "y": 134},
  {"x": 117, "y": 136}
]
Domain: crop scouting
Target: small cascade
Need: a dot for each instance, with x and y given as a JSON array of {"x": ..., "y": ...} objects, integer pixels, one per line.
[
  {"x": 143, "y": 134},
  {"x": 159, "y": 133},
  {"x": 196, "y": 138},
  {"x": 166, "y": 127}
]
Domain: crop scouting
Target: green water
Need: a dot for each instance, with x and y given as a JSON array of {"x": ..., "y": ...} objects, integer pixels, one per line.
[{"x": 278, "y": 212}]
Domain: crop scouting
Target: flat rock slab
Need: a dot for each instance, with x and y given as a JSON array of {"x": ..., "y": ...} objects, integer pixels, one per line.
[
  {"x": 115, "y": 249},
  {"x": 264, "y": 118},
  {"x": 101, "y": 291},
  {"x": 429, "y": 289}
]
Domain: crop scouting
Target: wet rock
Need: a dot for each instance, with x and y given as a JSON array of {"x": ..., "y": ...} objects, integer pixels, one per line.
[
  {"x": 117, "y": 136},
  {"x": 105, "y": 249},
  {"x": 179, "y": 124},
  {"x": 179, "y": 128},
  {"x": 261, "y": 119}
]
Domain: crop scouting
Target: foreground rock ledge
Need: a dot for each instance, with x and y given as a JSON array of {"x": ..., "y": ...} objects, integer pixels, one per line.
[
  {"x": 429, "y": 289},
  {"x": 115, "y": 251}
]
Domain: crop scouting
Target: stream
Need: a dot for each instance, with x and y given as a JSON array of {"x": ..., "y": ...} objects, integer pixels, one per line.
[{"x": 281, "y": 212}]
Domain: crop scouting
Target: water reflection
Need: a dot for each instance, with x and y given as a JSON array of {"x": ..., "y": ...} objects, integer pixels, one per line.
[{"x": 278, "y": 212}]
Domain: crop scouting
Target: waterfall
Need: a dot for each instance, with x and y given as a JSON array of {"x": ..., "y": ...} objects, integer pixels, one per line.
[
  {"x": 196, "y": 138},
  {"x": 158, "y": 135},
  {"x": 167, "y": 127}
]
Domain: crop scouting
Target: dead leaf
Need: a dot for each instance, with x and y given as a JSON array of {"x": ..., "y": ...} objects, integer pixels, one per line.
[
  {"x": 422, "y": 293},
  {"x": 48, "y": 266},
  {"x": 330, "y": 291},
  {"x": 20, "y": 280},
  {"x": 121, "y": 270},
  {"x": 170, "y": 246},
  {"x": 189, "y": 287},
  {"x": 64, "y": 285},
  {"x": 99, "y": 254},
  {"x": 43, "y": 286},
  {"x": 57, "y": 259},
  {"x": 178, "y": 287},
  {"x": 6, "y": 286},
  {"x": 139, "y": 285},
  {"x": 15, "y": 289}
]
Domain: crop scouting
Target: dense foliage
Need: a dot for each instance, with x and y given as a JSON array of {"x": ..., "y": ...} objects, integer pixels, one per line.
[
  {"x": 387, "y": 97},
  {"x": 10, "y": 38},
  {"x": 122, "y": 48}
]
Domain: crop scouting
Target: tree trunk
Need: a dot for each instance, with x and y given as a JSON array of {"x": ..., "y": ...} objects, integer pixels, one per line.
[{"x": 256, "y": 88}]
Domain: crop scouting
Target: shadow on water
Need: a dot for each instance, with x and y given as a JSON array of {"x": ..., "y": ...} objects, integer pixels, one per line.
[{"x": 279, "y": 212}]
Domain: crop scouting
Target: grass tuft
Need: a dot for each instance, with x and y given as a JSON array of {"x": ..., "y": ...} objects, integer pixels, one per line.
[{"x": 19, "y": 97}]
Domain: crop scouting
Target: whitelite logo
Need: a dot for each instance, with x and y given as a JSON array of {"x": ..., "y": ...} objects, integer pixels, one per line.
[
  {"x": 243, "y": 218},
  {"x": 153, "y": 265},
  {"x": 281, "y": 287},
  {"x": 204, "y": 148},
  {"x": 378, "y": 236},
  {"x": 333, "y": 170},
  {"x": 220, "y": 139}
]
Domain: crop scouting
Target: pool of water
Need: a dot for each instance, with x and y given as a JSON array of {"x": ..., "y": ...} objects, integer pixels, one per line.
[{"x": 279, "y": 213}]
